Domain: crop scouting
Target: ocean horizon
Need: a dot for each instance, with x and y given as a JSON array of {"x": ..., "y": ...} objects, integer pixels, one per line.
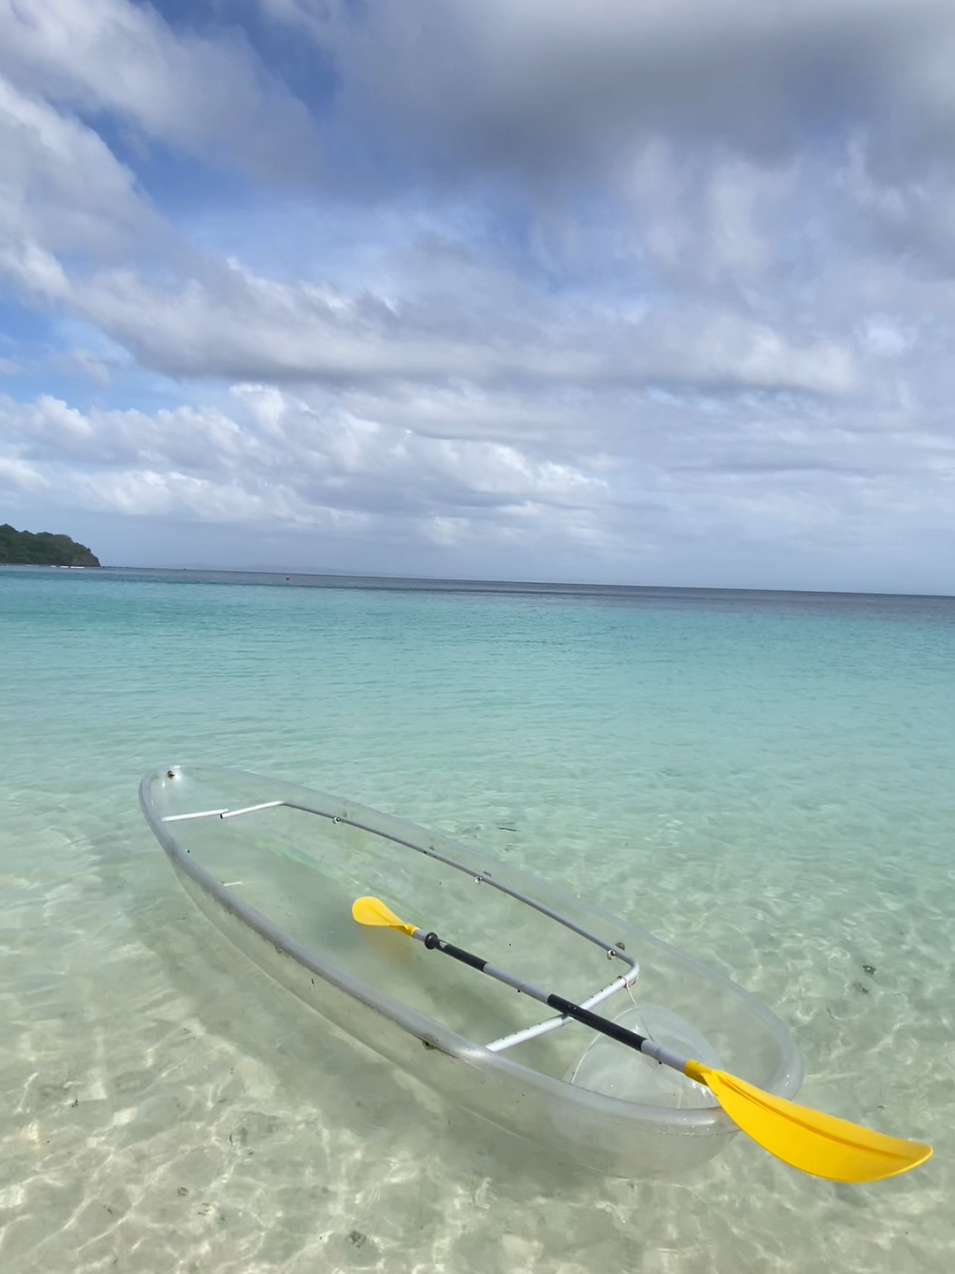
[
  {"x": 330, "y": 578},
  {"x": 761, "y": 778}
]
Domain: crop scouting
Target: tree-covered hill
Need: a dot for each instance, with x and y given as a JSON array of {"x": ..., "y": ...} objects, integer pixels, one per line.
[{"x": 23, "y": 548}]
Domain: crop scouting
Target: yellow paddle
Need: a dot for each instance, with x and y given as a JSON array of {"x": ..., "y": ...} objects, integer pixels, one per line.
[{"x": 807, "y": 1139}]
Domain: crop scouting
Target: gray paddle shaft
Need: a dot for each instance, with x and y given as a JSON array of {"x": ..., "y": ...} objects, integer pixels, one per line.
[{"x": 566, "y": 1007}]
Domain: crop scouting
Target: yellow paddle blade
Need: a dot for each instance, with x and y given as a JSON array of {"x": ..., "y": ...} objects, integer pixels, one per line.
[
  {"x": 372, "y": 911},
  {"x": 807, "y": 1139}
]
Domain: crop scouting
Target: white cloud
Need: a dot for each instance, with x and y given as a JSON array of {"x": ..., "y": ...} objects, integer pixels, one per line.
[
  {"x": 62, "y": 192},
  {"x": 37, "y": 271},
  {"x": 302, "y": 464},
  {"x": 237, "y": 325},
  {"x": 19, "y": 475},
  {"x": 212, "y": 97},
  {"x": 775, "y": 478},
  {"x": 573, "y": 85},
  {"x": 911, "y": 213}
]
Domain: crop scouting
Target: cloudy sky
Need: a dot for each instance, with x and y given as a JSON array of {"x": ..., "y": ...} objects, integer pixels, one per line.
[{"x": 629, "y": 291}]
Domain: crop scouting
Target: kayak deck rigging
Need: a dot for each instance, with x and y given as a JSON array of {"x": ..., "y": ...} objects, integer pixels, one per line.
[
  {"x": 276, "y": 868},
  {"x": 624, "y": 982}
]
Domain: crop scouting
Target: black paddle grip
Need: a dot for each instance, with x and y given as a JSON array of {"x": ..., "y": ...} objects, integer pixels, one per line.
[
  {"x": 432, "y": 941},
  {"x": 601, "y": 1024}
]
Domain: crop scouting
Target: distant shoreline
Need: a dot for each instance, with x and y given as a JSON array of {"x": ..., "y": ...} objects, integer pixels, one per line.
[{"x": 42, "y": 548}]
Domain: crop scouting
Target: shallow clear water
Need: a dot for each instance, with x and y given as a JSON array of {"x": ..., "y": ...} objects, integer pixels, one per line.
[{"x": 763, "y": 780}]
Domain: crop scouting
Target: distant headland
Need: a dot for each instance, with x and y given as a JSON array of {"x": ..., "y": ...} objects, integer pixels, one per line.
[{"x": 23, "y": 548}]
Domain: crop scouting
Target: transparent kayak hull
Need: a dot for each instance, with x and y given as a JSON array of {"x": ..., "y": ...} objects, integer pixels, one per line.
[{"x": 276, "y": 868}]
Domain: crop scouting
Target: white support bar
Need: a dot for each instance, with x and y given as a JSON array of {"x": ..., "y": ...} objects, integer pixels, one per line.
[
  {"x": 251, "y": 809},
  {"x": 179, "y": 818},
  {"x": 226, "y": 813}
]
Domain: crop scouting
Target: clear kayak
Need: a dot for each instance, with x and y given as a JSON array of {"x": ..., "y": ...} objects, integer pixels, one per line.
[{"x": 277, "y": 867}]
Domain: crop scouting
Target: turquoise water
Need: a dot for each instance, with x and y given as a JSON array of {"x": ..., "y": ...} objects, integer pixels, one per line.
[{"x": 764, "y": 780}]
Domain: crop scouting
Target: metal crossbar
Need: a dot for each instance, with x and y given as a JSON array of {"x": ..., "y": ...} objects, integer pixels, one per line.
[{"x": 553, "y": 1023}]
